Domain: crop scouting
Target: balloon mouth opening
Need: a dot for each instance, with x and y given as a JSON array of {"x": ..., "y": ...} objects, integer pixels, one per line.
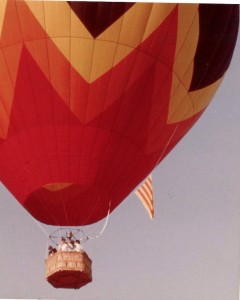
[
  {"x": 57, "y": 186},
  {"x": 68, "y": 204}
]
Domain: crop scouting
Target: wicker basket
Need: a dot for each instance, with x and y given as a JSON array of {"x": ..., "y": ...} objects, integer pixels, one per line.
[{"x": 68, "y": 269}]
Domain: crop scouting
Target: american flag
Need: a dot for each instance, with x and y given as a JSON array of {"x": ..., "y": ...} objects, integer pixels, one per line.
[{"x": 145, "y": 194}]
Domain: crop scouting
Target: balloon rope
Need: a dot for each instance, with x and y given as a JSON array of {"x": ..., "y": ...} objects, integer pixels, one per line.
[
  {"x": 40, "y": 226},
  {"x": 46, "y": 255},
  {"x": 104, "y": 226},
  {"x": 169, "y": 141}
]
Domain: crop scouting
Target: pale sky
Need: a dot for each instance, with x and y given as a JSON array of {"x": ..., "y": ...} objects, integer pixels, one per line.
[{"x": 191, "y": 249}]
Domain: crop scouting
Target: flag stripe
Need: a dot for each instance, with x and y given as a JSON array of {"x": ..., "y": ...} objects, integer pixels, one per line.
[
  {"x": 149, "y": 187},
  {"x": 144, "y": 199},
  {"x": 140, "y": 194},
  {"x": 149, "y": 209},
  {"x": 145, "y": 194}
]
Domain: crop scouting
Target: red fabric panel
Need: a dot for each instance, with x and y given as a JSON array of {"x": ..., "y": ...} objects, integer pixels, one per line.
[{"x": 11, "y": 32}]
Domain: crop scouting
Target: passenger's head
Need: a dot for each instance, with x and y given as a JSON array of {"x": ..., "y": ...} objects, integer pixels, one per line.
[
  {"x": 50, "y": 248},
  {"x": 77, "y": 241},
  {"x": 69, "y": 234}
]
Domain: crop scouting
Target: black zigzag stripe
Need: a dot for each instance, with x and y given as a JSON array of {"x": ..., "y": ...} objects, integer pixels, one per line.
[
  {"x": 217, "y": 38},
  {"x": 98, "y": 16}
]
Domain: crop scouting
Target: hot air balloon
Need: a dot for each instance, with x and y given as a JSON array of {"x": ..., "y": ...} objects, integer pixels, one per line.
[{"x": 94, "y": 95}]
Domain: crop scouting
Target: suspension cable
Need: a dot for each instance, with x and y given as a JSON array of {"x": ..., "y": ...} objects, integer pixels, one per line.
[{"x": 103, "y": 228}]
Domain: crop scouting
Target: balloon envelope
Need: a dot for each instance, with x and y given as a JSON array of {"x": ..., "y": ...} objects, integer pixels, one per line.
[{"x": 93, "y": 95}]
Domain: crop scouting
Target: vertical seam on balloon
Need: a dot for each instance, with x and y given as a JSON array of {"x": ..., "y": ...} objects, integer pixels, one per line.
[
  {"x": 179, "y": 80},
  {"x": 95, "y": 137},
  {"x": 11, "y": 78},
  {"x": 85, "y": 112},
  {"x": 54, "y": 124},
  {"x": 162, "y": 110},
  {"x": 64, "y": 193},
  {"x": 86, "y": 109},
  {"x": 51, "y": 92},
  {"x": 33, "y": 91},
  {"x": 70, "y": 89},
  {"x": 37, "y": 193},
  {"x": 84, "y": 115},
  {"x": 100, "y": 118},
  {"x": 3, "y": 104},
  {"x": 9, "y": 115},
  {"x": 186, "y": 36},
  {"x": 4, "y": 107}
]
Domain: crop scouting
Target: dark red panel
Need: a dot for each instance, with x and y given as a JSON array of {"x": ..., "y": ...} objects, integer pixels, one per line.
[
  {"x": 218, "y": 34},
  {"x": 35, "y": 102},
  {"x": 98, "y": 16}
]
